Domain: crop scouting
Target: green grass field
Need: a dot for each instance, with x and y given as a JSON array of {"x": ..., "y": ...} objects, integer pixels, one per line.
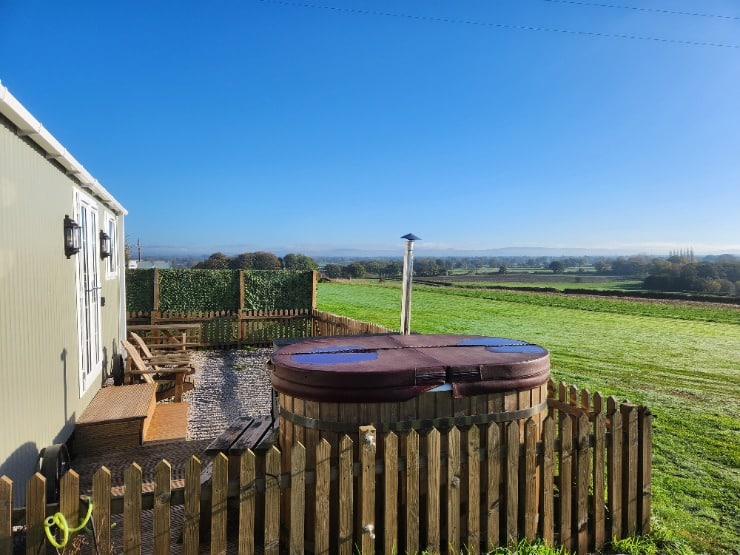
[
  {"x": 682, "y": 361},
  {"x": 563, "y": 285}
]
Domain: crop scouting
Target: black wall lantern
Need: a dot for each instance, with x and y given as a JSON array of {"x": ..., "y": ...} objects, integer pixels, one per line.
[
  {"x": 72, "y": 236},
  {"x": 104, "y": 244}
]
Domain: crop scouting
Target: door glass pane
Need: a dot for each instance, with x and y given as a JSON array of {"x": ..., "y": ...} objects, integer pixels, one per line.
[{"x": 89, "y": 295}]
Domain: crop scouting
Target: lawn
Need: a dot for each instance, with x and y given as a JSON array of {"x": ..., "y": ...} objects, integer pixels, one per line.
[
  {"x": 682, "y": 361},
  {"x": 561, "y": 285}
]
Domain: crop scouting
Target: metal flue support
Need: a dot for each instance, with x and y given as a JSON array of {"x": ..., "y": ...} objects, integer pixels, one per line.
[{"x": 408, "y": 272}]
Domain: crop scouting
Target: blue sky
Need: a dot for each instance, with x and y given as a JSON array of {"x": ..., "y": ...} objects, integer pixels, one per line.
[{"x": 344, "y": 124}]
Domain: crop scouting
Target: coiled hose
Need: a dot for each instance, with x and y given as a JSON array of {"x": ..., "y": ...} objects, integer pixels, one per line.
[{"x": 60, "y": 522}]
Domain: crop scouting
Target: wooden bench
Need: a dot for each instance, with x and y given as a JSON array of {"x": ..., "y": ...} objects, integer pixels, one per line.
[
  {"x": 169, "y": 336},
  {"x": 172, "y": 379},
  {"x": 247, "y": 432},
  {"x": 258, "y": 433},
  {"x": 159, "y": 357}
]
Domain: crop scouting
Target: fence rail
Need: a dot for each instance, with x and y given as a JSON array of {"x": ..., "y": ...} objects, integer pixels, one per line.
[
  {"x": 580, "y": 481},
  {"x": 227, "y": 329}
]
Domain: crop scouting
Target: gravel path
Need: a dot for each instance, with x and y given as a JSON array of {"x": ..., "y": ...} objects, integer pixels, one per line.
[{"x": 228, "y": 384}]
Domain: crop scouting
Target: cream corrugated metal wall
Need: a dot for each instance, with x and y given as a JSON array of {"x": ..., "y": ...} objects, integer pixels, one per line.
[{"x": 39, "y": 360}]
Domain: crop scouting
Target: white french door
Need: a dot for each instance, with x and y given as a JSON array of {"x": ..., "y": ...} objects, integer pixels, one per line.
[{"x": 88, "y": 294}]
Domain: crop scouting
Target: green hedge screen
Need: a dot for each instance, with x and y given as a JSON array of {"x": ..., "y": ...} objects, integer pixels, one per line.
[{"x": 213, "y": 290}]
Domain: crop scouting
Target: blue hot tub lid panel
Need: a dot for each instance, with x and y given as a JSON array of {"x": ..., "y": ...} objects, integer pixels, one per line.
[
  {"x": 399, "y": 367},
  {"x": 329, "y": 356}
]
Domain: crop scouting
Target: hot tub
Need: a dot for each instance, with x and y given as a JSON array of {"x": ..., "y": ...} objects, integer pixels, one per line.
[{"x": 330, "y": 386}]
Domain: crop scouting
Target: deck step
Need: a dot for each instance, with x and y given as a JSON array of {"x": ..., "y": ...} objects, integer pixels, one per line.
[
  {"x": 168, "y": 423},
  {"x": 118, "y": 417}
]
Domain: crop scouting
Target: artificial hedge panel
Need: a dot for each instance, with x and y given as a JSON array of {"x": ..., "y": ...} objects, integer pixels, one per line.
[
  {"x": 198, "y": 290},
  {"x": 277, "y": 289},
  {"x": 216, "y": 290},
  {"x": 139, "y": 290}
]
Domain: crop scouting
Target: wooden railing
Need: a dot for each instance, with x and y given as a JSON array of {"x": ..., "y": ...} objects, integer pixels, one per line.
[
  {"x": 227, "y": 329},
  {"x": 581, "y": 481}
]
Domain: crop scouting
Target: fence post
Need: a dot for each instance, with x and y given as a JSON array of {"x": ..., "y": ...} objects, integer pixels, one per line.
[
  {"x": 566, "y": 478},
  {"x": 6, "y": 514},
  {"x": 35, "y": 513},
  {"x": 453, "y": 489},
  {"x": 191, "y": 518},
  {"x": 219, "y": 490},
  {"x": 511, "y": 494},
  {"x": 434, "y": 479},
  {"x": 582, "y": 483},
  {"x": 345, "y": 496},
  {"x": 531, "y": 508},
  {"x": 366, "y": 501},
  {"x": 473, "y": 453},
  {"x": 323, "y": 492},
  {"x": 247, "y": 503},
  {"x": 241, "y": 290},
  {"x": 390, "y": 489},
  {"x": 272, "y": 502},
  {"x": 629, "y": 467},
  {"x": 412, "y": 492},
  {"x": 314, "y": 281},
  {"x": 548, "y": 475},
  {"x": 645, "y": 468},
  {"x": 614, "y": 468},
  {"x": 69, "y": 498},
  {"x": 132, "y": 509},
  {"x": 101, "y": 509},
  {"x": 155, "y": 288},
  {"x": 162, "y": 495},
  {"x": 599, "y": 484},
  {"x": 493, "y": 493},
  {"x": 563, "y": 392},
  {"x": 297, "y": 497}
]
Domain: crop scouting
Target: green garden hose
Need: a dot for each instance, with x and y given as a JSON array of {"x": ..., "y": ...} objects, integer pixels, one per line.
[{"x": 60, "y": 522}]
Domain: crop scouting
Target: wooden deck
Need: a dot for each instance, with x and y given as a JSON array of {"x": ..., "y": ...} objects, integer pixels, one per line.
[
  {"x": 128, "y": 416},
  {"x": 116, "y": 418},
  {"x": 168, "y": 423}
]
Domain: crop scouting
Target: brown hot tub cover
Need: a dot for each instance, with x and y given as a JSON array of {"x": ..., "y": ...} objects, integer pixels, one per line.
[{"x": 384, "y": 368}]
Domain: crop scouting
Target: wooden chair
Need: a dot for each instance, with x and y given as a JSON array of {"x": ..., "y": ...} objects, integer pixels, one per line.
[
  {"x": 160, "y": 358},
  {"x": 172, "y": 380}
]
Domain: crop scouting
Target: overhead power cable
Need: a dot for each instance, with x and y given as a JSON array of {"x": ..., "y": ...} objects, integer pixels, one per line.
[
  {"x": 639, "y": 9},
  {"x": 499, "y": 25}
]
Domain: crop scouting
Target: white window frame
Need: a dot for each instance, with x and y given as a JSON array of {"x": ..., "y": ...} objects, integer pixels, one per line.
[{"x": 111, "y": 262}]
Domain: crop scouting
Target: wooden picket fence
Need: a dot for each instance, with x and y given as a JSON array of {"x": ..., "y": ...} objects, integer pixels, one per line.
[
  {"x": 227, "y": 329},
  {"x": 581, "y": 481},
  {"x": 326, "y": 324}
]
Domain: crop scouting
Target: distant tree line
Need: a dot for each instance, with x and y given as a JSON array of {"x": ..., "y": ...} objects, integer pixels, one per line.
[
  {"x": 427, "y": 267},
  {"x": 433, "y": 267},
  {"x": 680, "y": 271},
  {"x": 260, "y": 260},
  {"x": 682, "y": 274},
  {"x": 714, "y": 275}
]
